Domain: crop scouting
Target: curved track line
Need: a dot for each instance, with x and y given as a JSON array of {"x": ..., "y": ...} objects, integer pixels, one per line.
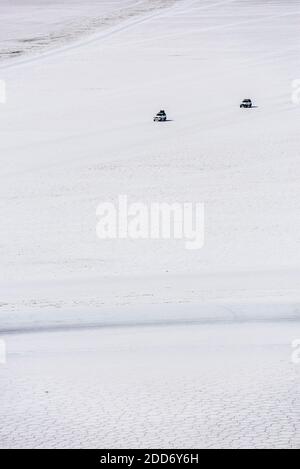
[{"x": 90, "y": 40}]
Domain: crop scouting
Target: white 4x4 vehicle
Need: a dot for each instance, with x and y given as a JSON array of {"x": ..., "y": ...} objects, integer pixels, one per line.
[{"x": 161, "y": 116}]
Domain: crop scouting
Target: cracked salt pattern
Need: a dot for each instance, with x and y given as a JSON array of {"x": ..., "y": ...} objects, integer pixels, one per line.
[{"x": 228, "y": 386}]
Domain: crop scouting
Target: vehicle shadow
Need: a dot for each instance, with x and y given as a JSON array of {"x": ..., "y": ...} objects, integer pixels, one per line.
[{"x": 163, "y": 122}]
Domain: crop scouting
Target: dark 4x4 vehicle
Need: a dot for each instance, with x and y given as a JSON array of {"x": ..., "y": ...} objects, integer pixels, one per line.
[{"x": 247, "y": 103}]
